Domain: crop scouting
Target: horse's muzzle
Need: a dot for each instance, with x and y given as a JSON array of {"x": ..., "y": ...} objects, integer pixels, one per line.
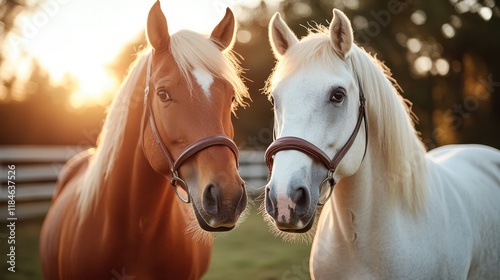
[
  {"x": 219, "y": 211},
  {"x": 292, "y": 212}
]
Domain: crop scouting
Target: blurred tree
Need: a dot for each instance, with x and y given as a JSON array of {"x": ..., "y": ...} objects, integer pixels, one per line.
[
  {"x": 127, "y": 55},
  {"x": 9, "y": 10},
  {"x": 39, "y": 88},
  {"x": 443, "y": 54},
  {"x": 44, "y": 116},
  {"x": 253, "y": 126}
]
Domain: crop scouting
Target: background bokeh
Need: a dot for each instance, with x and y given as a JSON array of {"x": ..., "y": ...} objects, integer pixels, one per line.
[{"x": 444, "y": 55}]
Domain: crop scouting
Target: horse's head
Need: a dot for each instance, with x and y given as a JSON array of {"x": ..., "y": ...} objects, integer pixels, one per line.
[
  {"x": 194, "y": 86},
  {"x": 317, "y": 99}
]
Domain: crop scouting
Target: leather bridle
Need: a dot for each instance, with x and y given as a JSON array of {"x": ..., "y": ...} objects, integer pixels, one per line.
[
  {"x": 189, "y": 151},
  {"x": 306, "y": 147}
]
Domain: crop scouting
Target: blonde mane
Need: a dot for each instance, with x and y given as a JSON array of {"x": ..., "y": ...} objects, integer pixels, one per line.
[
  {"x": 388, "y": 113},
  {"x": 190, "y": 50},
  {"x": 110, "y": 139}
]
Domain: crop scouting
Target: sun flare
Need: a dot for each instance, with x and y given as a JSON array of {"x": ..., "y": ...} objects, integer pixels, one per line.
[
  {"x": 95, "y": 87},
  {"x": 81, "y": 39}
]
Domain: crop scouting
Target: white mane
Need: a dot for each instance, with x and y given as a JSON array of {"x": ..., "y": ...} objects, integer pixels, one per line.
[
  {"x": 190, "y": 51},
  {"x": 388, "y": 114},
  {"x": 391, "y": 124}
]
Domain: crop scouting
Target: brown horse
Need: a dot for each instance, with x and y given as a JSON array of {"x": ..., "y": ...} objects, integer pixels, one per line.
[{"x": 116, "y": 211}]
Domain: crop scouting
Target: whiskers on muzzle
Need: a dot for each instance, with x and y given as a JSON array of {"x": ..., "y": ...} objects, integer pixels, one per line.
[
  {"x": 292, "y": 237},
  {"x": 205, "y": 237}
]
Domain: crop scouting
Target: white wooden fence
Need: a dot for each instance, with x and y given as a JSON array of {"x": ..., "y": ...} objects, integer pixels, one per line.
[{"x": 37, "y": 168}]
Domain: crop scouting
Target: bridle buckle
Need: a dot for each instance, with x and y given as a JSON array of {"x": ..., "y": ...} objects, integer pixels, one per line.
[
  {"x": 182, "y": 184},
  {"x": 327, "y": 182}
]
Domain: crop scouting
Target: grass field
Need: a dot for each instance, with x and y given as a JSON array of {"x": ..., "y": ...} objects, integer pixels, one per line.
[
  {"x": 248, "y": 252},
  {"x": 27, "y": 259},
  {"x": 252, "y": 252}
]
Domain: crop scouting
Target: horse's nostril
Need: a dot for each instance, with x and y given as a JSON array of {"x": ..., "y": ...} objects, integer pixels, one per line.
[
  {"x": 242, "y": 204},
  {"x": 301, "y": 198},
  {"x": 211, "y": 199},
  {"x": 270, "y": 202}
]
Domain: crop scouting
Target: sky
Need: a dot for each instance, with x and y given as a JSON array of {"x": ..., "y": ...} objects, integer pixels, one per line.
[{"x": 83, "y": 37}]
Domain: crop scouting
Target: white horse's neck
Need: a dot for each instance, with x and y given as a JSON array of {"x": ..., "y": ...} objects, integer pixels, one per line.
[{"x": 362, "y": 201}]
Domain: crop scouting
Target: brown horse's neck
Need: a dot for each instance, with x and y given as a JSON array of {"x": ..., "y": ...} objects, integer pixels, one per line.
[
  {"x": 141, "y": 222},
  {"x": 137, "y": 194}
]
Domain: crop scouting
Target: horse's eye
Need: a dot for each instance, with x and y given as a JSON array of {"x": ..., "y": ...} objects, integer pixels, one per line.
[
  {"x": 271, "y": 99},
  {"x": 337, "y": 95},
  {"x": 164, "y": 95}
]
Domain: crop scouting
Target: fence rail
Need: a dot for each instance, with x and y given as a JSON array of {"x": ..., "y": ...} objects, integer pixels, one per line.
[{"x": 37, "y": 168}]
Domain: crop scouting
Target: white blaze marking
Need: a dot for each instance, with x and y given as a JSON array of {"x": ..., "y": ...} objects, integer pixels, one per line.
[{"x": 204, "y": 79}]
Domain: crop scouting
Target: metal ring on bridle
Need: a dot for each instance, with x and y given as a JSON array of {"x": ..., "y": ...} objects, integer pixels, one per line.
[
  {"x": 174, "y": 181},
  {"x": 331, "y": 183}
]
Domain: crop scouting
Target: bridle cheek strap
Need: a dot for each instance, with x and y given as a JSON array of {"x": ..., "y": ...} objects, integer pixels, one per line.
[{"x": 188, "y": 152}]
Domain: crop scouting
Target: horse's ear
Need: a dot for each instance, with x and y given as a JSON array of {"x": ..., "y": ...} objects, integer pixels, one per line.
[
  {"x": 223, "y": 34},
  {"x": 341, "y": 33},
  {"x": 280, "y": 36},
  {"x": 157, "y": 29}
]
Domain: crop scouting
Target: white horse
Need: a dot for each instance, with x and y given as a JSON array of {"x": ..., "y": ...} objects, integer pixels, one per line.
[{"x": 396, "y": 212}]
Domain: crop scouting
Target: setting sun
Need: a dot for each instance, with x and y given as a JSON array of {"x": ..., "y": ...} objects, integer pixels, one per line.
[
  {"x": 95, "y": 86},
  {"x": 82, "y": 39}
]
